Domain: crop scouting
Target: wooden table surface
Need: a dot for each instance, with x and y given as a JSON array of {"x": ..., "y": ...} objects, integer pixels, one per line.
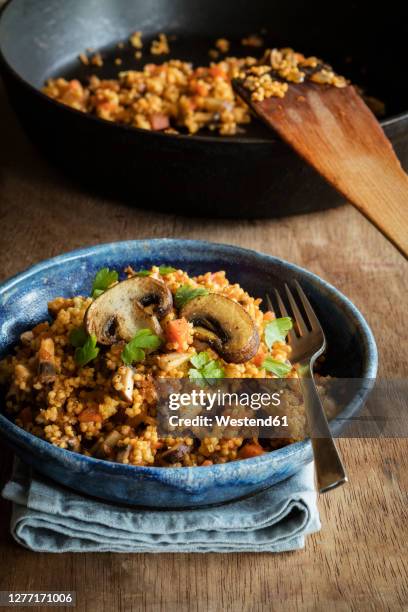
[{"x": 359, "y": 559}]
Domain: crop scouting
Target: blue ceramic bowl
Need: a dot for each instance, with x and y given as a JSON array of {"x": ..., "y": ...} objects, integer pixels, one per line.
[{"x": 23, "y": 303}]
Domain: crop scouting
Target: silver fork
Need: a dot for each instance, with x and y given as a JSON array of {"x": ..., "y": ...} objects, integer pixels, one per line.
[{"x": 307, "y": 345}]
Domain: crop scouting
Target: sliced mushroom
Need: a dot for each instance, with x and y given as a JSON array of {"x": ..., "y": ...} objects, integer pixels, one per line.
[
  {"x": 123, "y": 455},
  {"x": 118, "y": 313},
  {"x": 26, "y": 337},
  {"x": 153, "y": 291},
  {"x": 74, "y": 444},
  {"x": 127, "y": 381},
  {"x": 175, "y": 454},
  {"x": 224, "y": 325},
  {"x": 173, "y": 360},
  {"x": 199, "y": 345},
  {"x": 46, "y": 361},
  {"x": 103, "y": 448}
]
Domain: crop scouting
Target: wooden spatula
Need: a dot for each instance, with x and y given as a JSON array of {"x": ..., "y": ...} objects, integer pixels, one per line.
[{"x": 337, "y": 134}]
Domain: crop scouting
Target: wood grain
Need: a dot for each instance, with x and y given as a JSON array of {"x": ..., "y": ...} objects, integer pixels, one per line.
[
  {"x": 359, "y": 559},
  {"x": 337, "y": 134}
]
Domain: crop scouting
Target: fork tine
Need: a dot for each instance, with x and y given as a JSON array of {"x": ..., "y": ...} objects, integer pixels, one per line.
[
  {"x": 313, "y": 320},
  {"x": 284, "y": 313},
  {"x": 298, "y": 317},
  {"x": 282, "y": 310},
  {"x": 268, "y": 302}
]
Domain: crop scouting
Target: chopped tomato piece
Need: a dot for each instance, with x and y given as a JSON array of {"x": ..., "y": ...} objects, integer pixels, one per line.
[
  {"x": 269, "y": 316},
  {"x": 200, "y": 71},
  {"x": 178, "y": 332},
  {"x": 216, "y": 71},
  {"x": 74, "y": 84},
  {"x": 158, "y": 121},
  {"x": 259, "y": 357},
  {"x": 251, "y": 449},
  {"x": 199, "y": 88},
  {"x": 89, "y": 415},
  {"x": 106, "y": 106}
]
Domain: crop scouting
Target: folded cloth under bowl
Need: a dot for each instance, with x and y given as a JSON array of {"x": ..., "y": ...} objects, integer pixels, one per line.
[{"x": 50, "y": 518}]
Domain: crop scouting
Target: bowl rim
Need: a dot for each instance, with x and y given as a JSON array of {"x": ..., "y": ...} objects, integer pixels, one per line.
[
  {"x": 236, "y": 139},
  {"x": 22, "y": 437}
]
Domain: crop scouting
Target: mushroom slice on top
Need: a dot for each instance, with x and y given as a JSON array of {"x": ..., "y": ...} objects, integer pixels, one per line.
[
  {"x": 118, "y": 313},
  {"x": 224, "y": 325},
  {"x": 151, "y": 291}
]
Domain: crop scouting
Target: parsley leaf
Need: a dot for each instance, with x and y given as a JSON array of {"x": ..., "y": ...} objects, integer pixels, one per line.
[
  {"x": 276, "y": 367},
  {"x": 185, "y": 293},
  {"x": 147, "y": 339},
  {"x": 78, "y": 337},
  {"x": 144, "y": 339},
  {"x": 277, "y": 330},
  {"x": 144, "y": 273},
  {"x": 103, "y": 279},
  {"x": 195, "y": 374},
  {"x": 163, "y": 270},
  {"x": 131, "y": 354},
  {"x": 205, "y": 368},
  {"x": 166, "y": 270},
  {"x": 200, "y": 360},
  {"x": 213, "y": 369},
  {"x": 86, "y": 353}
]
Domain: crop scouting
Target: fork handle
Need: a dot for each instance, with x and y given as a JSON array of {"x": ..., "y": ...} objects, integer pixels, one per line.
[{"x": 329, "y": 468}]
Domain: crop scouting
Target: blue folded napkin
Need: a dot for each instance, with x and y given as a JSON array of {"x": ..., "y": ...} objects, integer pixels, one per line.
[{"x": 49, "y": 518}]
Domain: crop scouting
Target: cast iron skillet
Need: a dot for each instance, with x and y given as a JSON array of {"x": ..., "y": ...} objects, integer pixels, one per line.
[{"x": 252, "y": 175}]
